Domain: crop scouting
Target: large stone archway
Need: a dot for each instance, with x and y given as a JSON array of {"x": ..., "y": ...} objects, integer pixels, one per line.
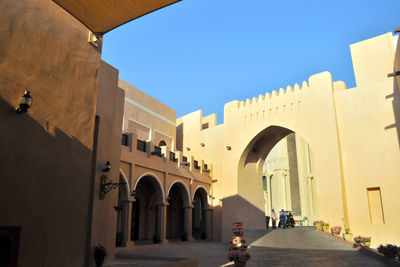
[{"x": 250, "y": 130}]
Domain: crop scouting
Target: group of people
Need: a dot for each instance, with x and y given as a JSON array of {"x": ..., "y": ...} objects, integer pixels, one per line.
[{"x": 284, "y": 220}]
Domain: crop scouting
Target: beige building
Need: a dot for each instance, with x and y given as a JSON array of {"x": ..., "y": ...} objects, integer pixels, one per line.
[
  {"x": 353, "y": 135},
  {"x": 68, "y": 184},
  {"x": 170, "y": 189}
]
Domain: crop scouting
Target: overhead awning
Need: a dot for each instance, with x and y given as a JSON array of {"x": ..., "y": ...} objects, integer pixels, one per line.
[{"x": 101, "y": 16}]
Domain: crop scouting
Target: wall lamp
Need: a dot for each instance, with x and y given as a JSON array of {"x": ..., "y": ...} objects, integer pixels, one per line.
[
  {"x": 105, "y": 185},
  {"x": 228, "y": 147},
  {"x": 25, "y": 103},
  {"x": 107, "y": 167}
]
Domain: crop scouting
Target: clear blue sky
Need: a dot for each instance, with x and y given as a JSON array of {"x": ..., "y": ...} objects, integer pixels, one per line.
[{"x": 201, "y": 54}]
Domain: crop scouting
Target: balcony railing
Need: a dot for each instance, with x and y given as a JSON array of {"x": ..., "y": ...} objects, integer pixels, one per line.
[
  {"x": 185, "y": 162},
  {"x": 141, "y": 145},
  {"x": 196, "y": 165},
  {"x": 157, "y": 151},
  {"x": 172, "y": 157}
]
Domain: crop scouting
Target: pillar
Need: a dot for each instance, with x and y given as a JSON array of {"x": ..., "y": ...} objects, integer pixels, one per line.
[
  {"x": 208, "y": 224},
  {"x": 162, "y": 222},
  {"x": 188, "y": 221}
]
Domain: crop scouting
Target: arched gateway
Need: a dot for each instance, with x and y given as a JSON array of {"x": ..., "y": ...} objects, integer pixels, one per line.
[{"x": 251, "y": 129}]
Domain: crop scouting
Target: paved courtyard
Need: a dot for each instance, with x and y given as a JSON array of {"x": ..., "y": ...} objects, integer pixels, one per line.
[{"x": 302, "y": 246}]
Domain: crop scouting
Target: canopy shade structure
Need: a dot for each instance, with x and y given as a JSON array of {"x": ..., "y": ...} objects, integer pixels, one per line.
[{"x": 101, "y": 16}]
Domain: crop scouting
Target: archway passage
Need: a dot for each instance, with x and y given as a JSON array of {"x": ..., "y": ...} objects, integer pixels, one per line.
[
  {"x": 199, "y": 214},
  {"x": 145, "y": 222},
  {"x": 176, "y": 212},
  {"x": 251, "y": 205},
  {"x": 288, "y": 178}
]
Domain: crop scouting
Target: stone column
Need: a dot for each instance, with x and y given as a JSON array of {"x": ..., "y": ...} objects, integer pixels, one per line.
[
  {"x": 162, "y": 221},
  {"x": 188, "y": 221},
  {"x": 128, "y": 227},
  {"x": 310, "y": 194},
  {"x": 208, "y": 223}
]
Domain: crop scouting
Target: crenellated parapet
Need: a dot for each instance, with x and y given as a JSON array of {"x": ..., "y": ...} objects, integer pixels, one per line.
[
  {"x": 282, "y": 101},
  {"x": 268, "y": 97}
]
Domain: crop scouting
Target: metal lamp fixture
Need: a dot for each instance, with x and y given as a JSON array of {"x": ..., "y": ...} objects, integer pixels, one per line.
[
  {"x": 107, "y": 167},
  {"x": 25, "y": 102},
  {"x": 105, "y": 185}
]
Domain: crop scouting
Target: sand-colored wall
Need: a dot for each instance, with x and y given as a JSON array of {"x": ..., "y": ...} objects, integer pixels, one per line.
[
  {"x": 353, "y": 135},
  {"x": 239, "y": 170},
  {"x": 368, "y": 118},
  {"x": 153, "y": 116},
  {"x": 46, "y": 154},
  {"x": 110, "y": 101},
  {"x": 147, "y": 119}
]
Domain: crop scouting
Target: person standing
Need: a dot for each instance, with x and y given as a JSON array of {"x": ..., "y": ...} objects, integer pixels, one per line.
[
  {"x": 274, "y": 217},
  {"x": 282, "y": 219}
]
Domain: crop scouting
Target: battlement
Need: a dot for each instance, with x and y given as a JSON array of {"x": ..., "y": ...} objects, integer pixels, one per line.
[{"x": 274, "y": 94}]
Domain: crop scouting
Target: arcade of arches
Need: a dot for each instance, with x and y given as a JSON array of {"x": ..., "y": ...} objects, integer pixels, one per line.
[{"x": 152, "y": 216}]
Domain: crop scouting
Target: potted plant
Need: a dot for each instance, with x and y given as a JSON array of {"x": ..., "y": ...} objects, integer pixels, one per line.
[
  {"x": 347, "y": 235},
  {"x": 318, "y": 224},
  {"x": 237, "y": 249},
  {"x": 389, "y": 251},
  {"x": 325, "y": 227},
  {"x": 100, "y": 253},
  {"x": 335, "y": 230},
  {"x": 361, "y": 241}
]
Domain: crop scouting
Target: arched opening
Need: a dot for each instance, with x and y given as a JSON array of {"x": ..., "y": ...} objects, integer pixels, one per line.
[
  {"x": 177, "y": 199},
  {"x": 199, "y": 214},
  {"x": 145, "y": 223},
  {"x": 122, "y": 209},
  {"x": 288, "y": 179},
  {"x": 252, "y": 204},
  {"x": 162, "y": 143}
]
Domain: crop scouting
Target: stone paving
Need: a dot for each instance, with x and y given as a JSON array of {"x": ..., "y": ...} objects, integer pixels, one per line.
[{"x": 301, "y": 246}]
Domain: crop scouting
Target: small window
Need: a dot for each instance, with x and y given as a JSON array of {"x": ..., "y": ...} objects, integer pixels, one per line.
[
  {"x": 172, "y": 156},
  {"x": 184, "y": 159},
  {"x": 162, "y": 143},
  {"x": 141, "y": 145},
  {"x": 205, "y": 166},
  {"x": 124, "y": 139},
  {"x": 375, "y": 205},
  {"x": 196, "y": 164}
]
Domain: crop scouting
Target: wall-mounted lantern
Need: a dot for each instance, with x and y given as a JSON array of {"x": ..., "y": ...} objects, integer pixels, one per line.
[
  {"x": 228, "y": 147},
  {"x": 202, "y": 144},
  {"x": 25, "y": 102},
  {"x": 188, "y": 148},
  {"x": 105, "y": 185},
  {"x": 107, "y": 167}
]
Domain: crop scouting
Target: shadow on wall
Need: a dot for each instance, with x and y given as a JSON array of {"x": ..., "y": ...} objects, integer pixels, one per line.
[
  {"x": 238, "y": 209},
  {"x": 179, "y": 137},
  {"x": 396, "y": 95},
  {"x": 46, "y": 189}
]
